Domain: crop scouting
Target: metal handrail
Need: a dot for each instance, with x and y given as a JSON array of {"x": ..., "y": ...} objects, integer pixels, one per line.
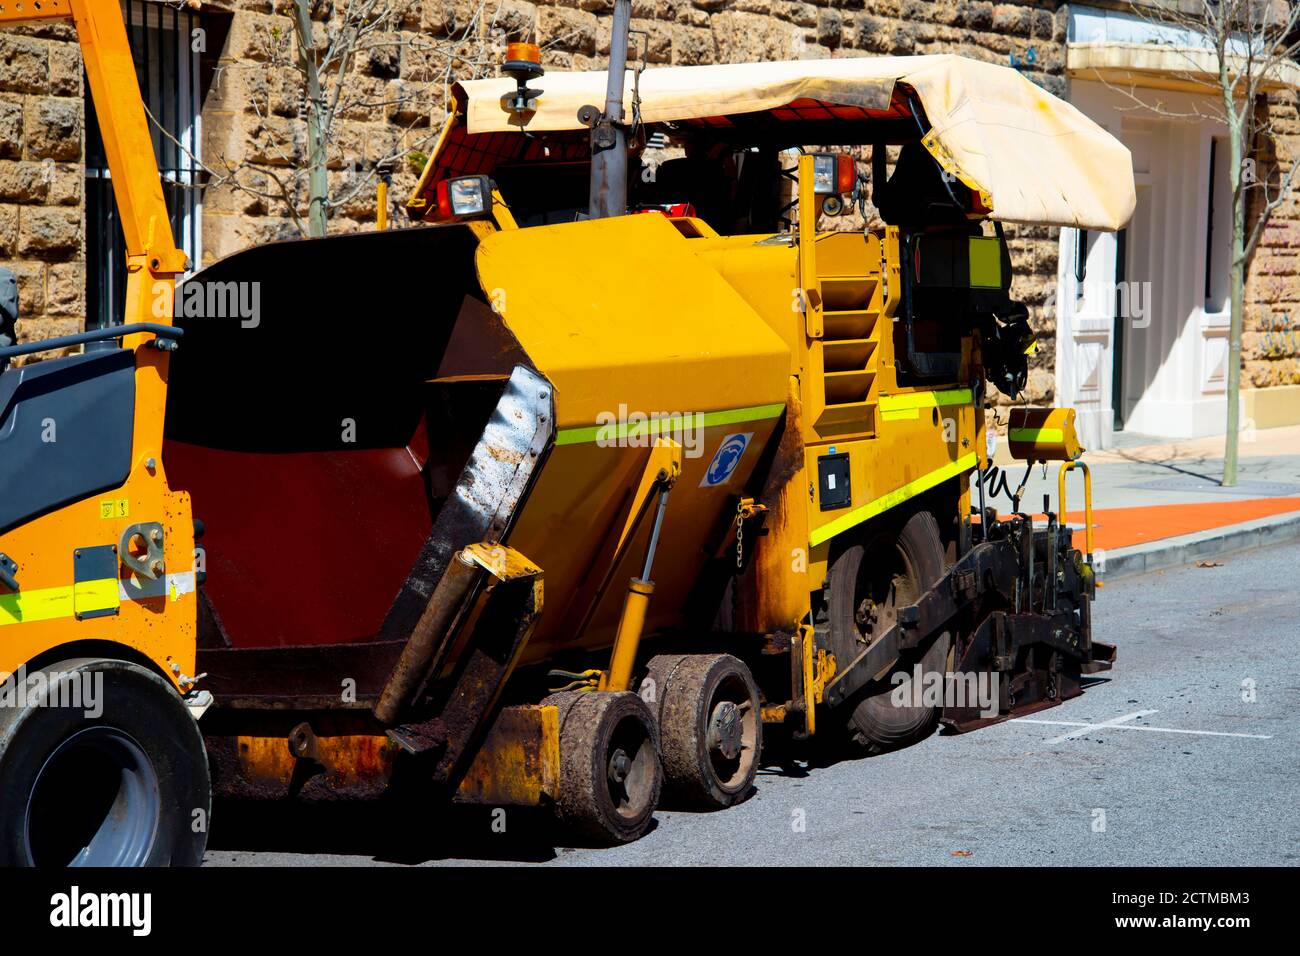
[
  {"x": 1067, "y": 466},
  {"x": 94, "y": 335}
]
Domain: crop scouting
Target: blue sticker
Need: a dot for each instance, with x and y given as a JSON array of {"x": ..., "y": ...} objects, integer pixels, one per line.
[{"x": 726, "y": 459}]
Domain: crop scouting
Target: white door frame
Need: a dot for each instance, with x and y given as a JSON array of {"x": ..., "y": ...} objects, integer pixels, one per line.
[
  {"x": 1175, "y": 355},
  {"x": 1085, "y": 331}
]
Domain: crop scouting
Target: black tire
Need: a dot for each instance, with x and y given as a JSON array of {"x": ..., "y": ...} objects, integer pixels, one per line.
[
  {"x": 892, "y": 567},
  {"x": 601, "y": 798},
  {"x": 123, "y": 787},
  {"x": 710, "y": 730}
]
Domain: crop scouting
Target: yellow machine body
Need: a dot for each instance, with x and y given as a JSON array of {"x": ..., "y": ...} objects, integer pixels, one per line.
[
  {"x": 54, "y": 608},
  {"x": 627, "y": 369},
  {"x": 691, "y": 330}
]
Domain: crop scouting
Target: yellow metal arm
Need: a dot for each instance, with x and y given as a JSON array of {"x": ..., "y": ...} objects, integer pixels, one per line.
[
  {"x": 662, "y": 469},
  {"x": 152, "y": 259},
  {"x": 659, "y": 475}
]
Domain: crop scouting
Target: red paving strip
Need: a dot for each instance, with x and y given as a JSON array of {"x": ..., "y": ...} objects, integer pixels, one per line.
[{"x": 1124, "y": 527}]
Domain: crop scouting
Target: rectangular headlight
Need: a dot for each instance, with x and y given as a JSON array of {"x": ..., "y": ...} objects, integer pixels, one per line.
[
  {"x": 464, "y": 196},
  {"x": 467, "y": 196},
  {"x": 834, "y": 174},
  {"x": 824, "y": 174}
]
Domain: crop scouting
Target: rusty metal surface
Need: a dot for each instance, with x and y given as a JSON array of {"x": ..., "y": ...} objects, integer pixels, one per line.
[
  {"x": 431, "y": 637},
  {"x": 432, "y": 607},
  {"x": 504, "y": 564},
  {"x": 518, "y": 763},
  {"x": 1030, "y": 654},
  {"x": 306, "y": 678},
  {"x": 462, "y": 702},
  {"x": 988, "y": 570},
  {"x": 1019, "y": 607},
  {"x": 348, "y": 767}
]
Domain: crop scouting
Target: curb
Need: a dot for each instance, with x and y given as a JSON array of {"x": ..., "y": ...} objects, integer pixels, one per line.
[{"x": 1184, "y": 549}]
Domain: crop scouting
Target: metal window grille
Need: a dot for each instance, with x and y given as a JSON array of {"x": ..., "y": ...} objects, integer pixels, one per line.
[{"x": 168, "y": 69}]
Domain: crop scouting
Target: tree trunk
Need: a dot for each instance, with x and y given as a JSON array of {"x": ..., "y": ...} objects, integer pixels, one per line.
[
  {"x": 317, "y": 181},
  {"x": 1236, "y": 280}
]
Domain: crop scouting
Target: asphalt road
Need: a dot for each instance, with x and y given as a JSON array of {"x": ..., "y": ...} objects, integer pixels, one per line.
[{"x": 1201, "y": 776}]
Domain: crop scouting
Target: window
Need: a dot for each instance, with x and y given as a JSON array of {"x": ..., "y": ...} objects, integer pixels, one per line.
[{"x": 168, "y": 69}]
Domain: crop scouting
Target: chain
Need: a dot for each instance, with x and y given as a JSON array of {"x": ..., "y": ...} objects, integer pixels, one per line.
[
  {"x": 745, "y": 508},
  {"x": 740, "y": 534}
]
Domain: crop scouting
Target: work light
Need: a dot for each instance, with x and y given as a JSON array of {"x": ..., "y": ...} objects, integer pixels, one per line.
[
  {"x": 833, "y": 174},
  {"x": 464, "y": 196}
]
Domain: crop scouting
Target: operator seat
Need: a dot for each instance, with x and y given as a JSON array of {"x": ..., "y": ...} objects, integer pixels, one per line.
[{"x": 917, "y": 194}]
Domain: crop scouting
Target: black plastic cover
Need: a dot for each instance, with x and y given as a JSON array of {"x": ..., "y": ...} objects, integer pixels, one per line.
[
  {"x": 66, "y": 428},
  {"x": 833, "y": 488}
]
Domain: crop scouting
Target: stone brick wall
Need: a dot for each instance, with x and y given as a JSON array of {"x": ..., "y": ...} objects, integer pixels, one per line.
[
  {"x": 392, "y": 108},
  {"x": 1270, "y": 342},
  {"x": 250, "y": 113},
  {"x": 42, "y": 216}
]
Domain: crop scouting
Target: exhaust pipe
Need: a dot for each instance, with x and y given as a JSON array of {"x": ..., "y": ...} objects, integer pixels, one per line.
[{"x": 608, "y": 195}]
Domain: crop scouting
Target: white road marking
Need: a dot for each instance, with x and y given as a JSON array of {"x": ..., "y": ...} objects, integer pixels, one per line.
[
  {"x": 1113, "y": 722},
  {"x": 1120, "y": 723}
]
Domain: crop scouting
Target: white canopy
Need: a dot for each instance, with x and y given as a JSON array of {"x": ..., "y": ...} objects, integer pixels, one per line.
[{"x": 1033, "y": 157}]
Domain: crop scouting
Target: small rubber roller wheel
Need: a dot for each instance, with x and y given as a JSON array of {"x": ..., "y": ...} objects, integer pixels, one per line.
[
  {"x": 610, "y": 775},
  {"x": 710, "y": 731}
]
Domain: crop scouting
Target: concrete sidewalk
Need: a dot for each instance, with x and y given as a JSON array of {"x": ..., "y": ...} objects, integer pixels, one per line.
[{"x": 1159, "y": 504}]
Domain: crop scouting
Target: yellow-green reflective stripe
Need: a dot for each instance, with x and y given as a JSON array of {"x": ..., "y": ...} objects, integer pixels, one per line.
[
  {"x": 985, "y": 262},
  {"x": 1037, "y": 434},
  {"x": 95, "y": 595},
  {"x": 897, "y": 408},
  {"x": 896, "y": 497},
  {"x": 666, "y": 426},
  {"x": 47, "y": 604},
  {"x": 915, "y": 400}
]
